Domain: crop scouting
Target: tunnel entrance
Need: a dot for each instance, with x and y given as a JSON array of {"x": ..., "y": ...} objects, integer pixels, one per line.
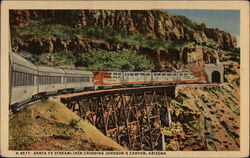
[{"x": 216, "y": 77}]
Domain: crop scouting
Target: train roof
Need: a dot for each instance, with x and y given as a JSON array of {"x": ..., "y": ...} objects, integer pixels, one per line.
[
  {"x": 51, "y": 71},
  {"x": 77, "y": 72},
  {"x": 20, "y": 64}
]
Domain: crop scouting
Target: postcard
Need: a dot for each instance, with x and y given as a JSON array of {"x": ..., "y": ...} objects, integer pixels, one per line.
[{"x": 124, "y": 79}]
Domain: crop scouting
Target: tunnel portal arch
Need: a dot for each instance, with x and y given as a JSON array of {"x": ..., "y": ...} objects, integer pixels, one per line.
[
  {"x": 214, "y": 73},
  {"x": 216, "y": 77}
]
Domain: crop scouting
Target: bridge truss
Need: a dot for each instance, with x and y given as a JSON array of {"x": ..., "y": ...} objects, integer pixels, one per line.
[{"x": 131, "y": 116}]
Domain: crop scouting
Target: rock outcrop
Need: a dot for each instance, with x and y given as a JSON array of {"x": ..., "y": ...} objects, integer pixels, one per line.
[
  {"x": 153, "y": 23},
  {"x": 204, "y": 118}
]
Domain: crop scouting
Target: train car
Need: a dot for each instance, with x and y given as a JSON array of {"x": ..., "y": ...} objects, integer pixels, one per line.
[
  {"x": 31, "y": 82},
  {"x": 107, "y": 79},
  {"x": 186, "y": 77},
  {"x": 77, "y": 80},
  {"x": 189, "y": 77},
  {"x": 162, "y": 78},
  {"x": 23, "y": 79},
  {"x": 50, "y": 81},
  {"x": 137, "y": 78}
]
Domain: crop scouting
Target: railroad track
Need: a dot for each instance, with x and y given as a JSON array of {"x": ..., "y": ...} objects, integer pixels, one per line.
[{"x": 64, "y": 97}]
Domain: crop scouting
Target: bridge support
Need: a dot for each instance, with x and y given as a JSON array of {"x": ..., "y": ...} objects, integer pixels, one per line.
[{"x": 132, "y": 117}]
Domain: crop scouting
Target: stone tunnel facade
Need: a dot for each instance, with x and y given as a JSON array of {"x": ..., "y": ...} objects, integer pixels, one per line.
[{"x": 215, "y": 73}]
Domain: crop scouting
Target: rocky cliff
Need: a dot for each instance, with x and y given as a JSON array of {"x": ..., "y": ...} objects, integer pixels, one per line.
[
  {"x": 191, "y": 44},
  {"x": 204, "y": 118},
  {"x": 155, "y": 24}
]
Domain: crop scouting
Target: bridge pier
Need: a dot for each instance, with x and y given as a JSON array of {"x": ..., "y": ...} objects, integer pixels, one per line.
[{"x": 131, "y": 116}]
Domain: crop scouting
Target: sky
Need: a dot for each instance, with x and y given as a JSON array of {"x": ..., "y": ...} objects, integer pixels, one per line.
[{"x": 225, "y": 20}]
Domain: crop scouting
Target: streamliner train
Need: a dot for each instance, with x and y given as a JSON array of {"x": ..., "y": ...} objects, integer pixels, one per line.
[{"x": 30, "y": 82}]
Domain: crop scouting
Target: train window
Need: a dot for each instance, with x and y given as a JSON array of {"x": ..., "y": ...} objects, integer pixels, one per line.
[
  {"x": 115, "y": 73},
  {"x": 163, "y": 74},
  {"x": 136, "y": 74},
  {"x": 159, "y": 74},
  {"x": 15, "y": 81},
  {"x": 147, "y": 74},
  {"x": 119, "y": 73},
  {"x": 131, "y": 74},
  {"x": 85, "y": 79},
  {"x": 22, "y": 79},
  {"x": 154, "y": 74},
  {"x": 181, "y": 74},
  {"x": 109, "y": 73},
  {"x": 74, "y": 79}
]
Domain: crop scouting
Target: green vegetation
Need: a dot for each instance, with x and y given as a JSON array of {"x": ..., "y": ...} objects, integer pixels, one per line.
[
  {"x": 34, "y": 58},
  {"x": 43, "y": 27},
  {"x": 64, "y": 57},
  {"x": 182, "y": 97},
  {"x": 204, "y": 99},
  {"x": 233, "y": 55},
  {"x": 73, "y": 123},
  {"x": 188, "y": 22},
  {"x": 95, "y": 59},
  {"x": 238, "y": 81},
  {"x": 229, "y": 71},
  {"x": 98, "y": 59},
  {"x": 46, "y": 28},
  {"x": 60, "y": 58}
]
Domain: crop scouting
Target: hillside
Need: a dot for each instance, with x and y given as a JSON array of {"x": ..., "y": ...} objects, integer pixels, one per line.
[
  {"x": 67, "y": 37},
  {"x": 50, "y": 126},
  {"x": 205, "y": 118}
]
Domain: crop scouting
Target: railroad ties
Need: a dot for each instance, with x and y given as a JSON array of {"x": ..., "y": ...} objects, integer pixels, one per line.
[{"x": 131, "y": 116}]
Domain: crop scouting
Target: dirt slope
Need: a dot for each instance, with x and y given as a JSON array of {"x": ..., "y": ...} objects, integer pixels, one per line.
[{"x": 49, "y": 125}]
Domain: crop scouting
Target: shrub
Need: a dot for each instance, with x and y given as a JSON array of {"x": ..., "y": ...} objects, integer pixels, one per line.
[
  {"x": 64, "y": 57},
  {"x": 47, "y": 27},
  {"x": 97, "y": 59},
  {"x": 188, "y": 22},
  {"x": 43, "y": 27},
  {"x": 238, "y": 81},
  {"x": 229, "y": 71},
  {"x": 41, "y": 59},
  {"x": 73, "y": 123}
]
